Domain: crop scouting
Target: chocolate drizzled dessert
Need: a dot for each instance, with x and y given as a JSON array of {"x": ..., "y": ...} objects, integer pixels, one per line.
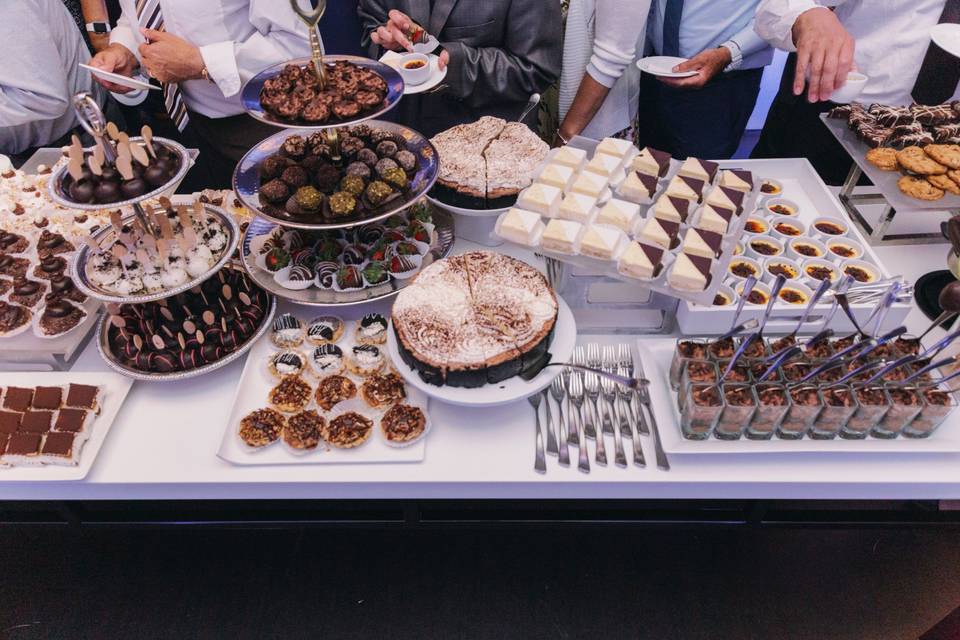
[
  {"x": 296, "y": 97},
  {"x": 403, "y": 423}
]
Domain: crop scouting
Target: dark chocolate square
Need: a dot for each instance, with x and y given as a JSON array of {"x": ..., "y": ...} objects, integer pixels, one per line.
[
  {"x": 17, "y": 398},
  {"x": 47, "y": 397},
  {"x": 71, "y": 420},
  {"x": 82, "y": 396},
  {"x": 36, "y": 421},
  {"x": 10, "y": 421},
  {"x": 58, "y": 444},
  {"x": 24, "y": 444}
]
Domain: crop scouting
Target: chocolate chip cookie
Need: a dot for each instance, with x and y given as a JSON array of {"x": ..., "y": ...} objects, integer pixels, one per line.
[
  {"x": 919, "y": 188},
  {"x": 915, "y": 160},
  {"x": 883, "y": 158},
  {"x": 945, "y": 154},
  {"x": 945, "y": 183}
]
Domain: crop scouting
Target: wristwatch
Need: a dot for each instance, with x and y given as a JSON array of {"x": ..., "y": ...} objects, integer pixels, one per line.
[
  {"x": 98, "y": 27},
  {"x": 736, "y": 55}
]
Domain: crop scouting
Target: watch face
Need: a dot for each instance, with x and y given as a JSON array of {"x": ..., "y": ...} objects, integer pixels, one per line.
[{"x": 100, "y": 27}]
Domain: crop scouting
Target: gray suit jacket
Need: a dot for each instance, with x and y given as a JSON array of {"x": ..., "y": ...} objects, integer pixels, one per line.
[{"x": 501, "y": 52}]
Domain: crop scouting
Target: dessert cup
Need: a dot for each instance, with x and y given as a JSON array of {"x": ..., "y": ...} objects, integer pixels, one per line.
[
  {"x": 740, "y": 403},
  {"x": 872, "y": 404},
  {"x": 806, "y": 403},
  {"x": 905, "y": 403},
  {"x": 839, "y": 403},
  {"x": 699, "y": 372},
  {"x": 703, "y": 405},
  {"x": 937, "y": 405},
  {"x": 773, "y": 404},
  {"x": 686, "y": 349}
]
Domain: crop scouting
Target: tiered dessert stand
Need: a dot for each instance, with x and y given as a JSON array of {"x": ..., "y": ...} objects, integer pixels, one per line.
[
  {"x": 92, "y": 119},
  {"x": 246, "y": 178}
]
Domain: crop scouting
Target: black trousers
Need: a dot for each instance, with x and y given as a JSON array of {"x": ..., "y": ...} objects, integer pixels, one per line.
[
  {"x": 705, "y": 123},
  {"x": 793, "y": 130}
]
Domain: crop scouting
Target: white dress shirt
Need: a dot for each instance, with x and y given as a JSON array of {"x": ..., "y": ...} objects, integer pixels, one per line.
[
  {"x": 39, "y": 73},
  {"x": 891, "y": 39},
  {"x": 706, "y": 24},
  {"x": 237, "y": 39},
  {"x": 604, "y": 39}
]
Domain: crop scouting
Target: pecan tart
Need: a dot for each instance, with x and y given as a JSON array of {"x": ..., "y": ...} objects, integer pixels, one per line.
[
  {"x": 302, "y": 430},
  {"x": 403, "y": 423},
  {"x": 261, "y": 427},
  {"x": 334, "y": 389},
  {"x": 291, "y": 395},
  {"x": 348, "y": 430},
  {"x": 380, "y": 390}
]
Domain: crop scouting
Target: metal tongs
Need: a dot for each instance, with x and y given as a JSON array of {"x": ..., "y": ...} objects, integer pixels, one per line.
[{"x": 312, "y": 19}]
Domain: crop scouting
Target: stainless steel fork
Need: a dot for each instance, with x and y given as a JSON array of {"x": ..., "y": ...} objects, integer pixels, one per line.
[
  {"x": 575, "y": 392},
  {"x": 573, "y": 437},
  {"x": 625, "y": 359},
  {"x": 559, "y": 394},
  {"x": 551, "y": 438},
  {"x": 625, "y": 395},
  {"x": 540, "y": 462},
  {"x": 594, "y": 360},
  {"x": 580, "y": 358},
  {"x": 610, "y": 395}
]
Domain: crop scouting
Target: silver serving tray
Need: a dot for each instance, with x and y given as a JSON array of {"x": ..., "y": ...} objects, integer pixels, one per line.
[
  {"x": 314, "y": 296},
  {"x": 250, "y": 93},
  {"x": 58, "y": 195},
  {"x": 103, "y": 346},
  {"x": 246, "y": 177},
  {"x": 79, "y": 272}
]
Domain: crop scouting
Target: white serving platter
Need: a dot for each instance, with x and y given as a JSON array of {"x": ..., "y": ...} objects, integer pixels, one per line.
[
  {"x": 256, "y": 382},
  {"x": 510, "y": 390},
  {"x": 802, "y": 185},
  {"x": 656, "y": 353},
  {"x": 113, "y": 391}
]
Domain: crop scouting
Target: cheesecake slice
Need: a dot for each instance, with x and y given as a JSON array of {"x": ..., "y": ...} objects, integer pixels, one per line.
[
  {"x": 686, "y": 188},
  {"x": 641, "y": 260},
  {"x": 727, "y": 198},
  {"x": 589, "y": 184},
  {"x": 556, "y": 175},
  {"x": 737, "y": 179},
  {"x": 699, "y": 169},
  {"x": 662, "y": 233},
  {"x": 714, "y": 218},
  {"x": 652, "y": 162},
  {"x": 620, "y": 214},
  {"x": 672, "y": 208},
  {"x": 561, "y": 236},
  {"x": 542, "y": 198},
  {"x": 577, "y": 207},
  {"x": 517, "y": 225},
  {"x": 602, "y": 242},
  {"x": 690, "y": 273},
  {"x": 570, "y": 157},
  {"x": 699, "y": 242},
  {"x": 639, "y": 188},
  {"x": 617, "y": 148}
]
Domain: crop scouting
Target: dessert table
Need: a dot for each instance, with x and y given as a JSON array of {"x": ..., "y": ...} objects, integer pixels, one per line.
[{"x": 163, "y": 444}]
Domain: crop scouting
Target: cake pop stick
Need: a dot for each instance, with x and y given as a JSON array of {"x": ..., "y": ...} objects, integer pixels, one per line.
[
  {"x": 147, "y": 134},
  {"x": 95, "y": 165},
  {"x": 200, "y": 213},
  {"x": 99, "y": 154},
  {"x": 124, "y": 161},
  {"x": 166, "y": 204},
  {"x": 75, "y": 153},
  {"x": 113, "y": 131},
  {"x": 162, "y": 250},
  {"x": 144, "y": 259},
  {"x": 116, "y": 221}
]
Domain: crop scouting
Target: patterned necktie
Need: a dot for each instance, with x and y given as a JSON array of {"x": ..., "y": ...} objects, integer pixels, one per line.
[
  {"x": 671, "y": 28},
  {"x": 151, "y": 17},
  {"x": 940, "y": 71}
]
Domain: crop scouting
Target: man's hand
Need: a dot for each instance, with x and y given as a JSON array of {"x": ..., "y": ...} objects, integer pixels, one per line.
[
  {"x": 707, "y": 64},
  {"x": 393, "y": 35},
  {"x": 169, "y": 58},
  {"x": 117, "y": 59},
  {"x": 444, "y": 60},
  {"x": 825, "y": 49}
]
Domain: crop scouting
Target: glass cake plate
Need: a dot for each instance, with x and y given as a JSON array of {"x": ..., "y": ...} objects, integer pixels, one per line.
[{"x": 510, "y": 390}]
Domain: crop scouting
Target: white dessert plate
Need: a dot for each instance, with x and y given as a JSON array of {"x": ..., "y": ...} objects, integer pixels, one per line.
[
  {"x": 138, "y": 82},
  {"x": 947, "y": 37},
  {"x": 511, "y": 390},
  {"x": 393, "y": 58},
  {"x": 113, "y": 391},
  {"x": 663, "y": 66},
  {"x": 656, "y": 353}
]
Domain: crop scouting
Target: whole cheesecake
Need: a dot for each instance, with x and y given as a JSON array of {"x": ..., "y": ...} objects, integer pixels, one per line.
[{"x": 475, "y": 319}]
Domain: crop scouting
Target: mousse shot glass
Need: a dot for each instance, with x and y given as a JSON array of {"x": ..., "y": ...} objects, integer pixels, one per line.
[
  {"x": 839, "y": 403},
  {"x": 702, "y": 406},
  {"x": 687, "y": 349},
  {"x": 740, "y": 403},
  {"x": 773, "y": 406},
  {"x": 905, "y": 404},
  {"x": 872, "y": 404},
  {"x": 937, "y": 405},
  {"x": 806, "y": 404}
]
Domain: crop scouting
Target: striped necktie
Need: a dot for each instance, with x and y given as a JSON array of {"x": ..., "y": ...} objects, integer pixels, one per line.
[{"x": 151, "y": 17}]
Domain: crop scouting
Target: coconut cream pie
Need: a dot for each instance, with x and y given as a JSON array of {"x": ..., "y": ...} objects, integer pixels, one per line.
[
  {"x": 737, "y": 179},
  {"x": 577, "y": 207},
  {"x": 671, "y": 208},
  {"x": 700, "y": 169},
  {"x": 641, "y": 260},
  {"x": 541, "y": 198},
  {"x": 652, "y": 162},
  {"x": 602, "y": 242},
  {"x": 519, "y": 226},
  {"x": 475, "y": 319},
  {"x": 561, "y": 236},
  {"x": 619, "y": 213}
]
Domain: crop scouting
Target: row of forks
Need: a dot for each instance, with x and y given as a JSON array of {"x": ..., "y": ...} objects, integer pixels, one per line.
[{"x": 591, "y": 407}]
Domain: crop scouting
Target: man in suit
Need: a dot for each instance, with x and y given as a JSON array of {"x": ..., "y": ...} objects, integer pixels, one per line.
[{"x": 496, "y": 52}]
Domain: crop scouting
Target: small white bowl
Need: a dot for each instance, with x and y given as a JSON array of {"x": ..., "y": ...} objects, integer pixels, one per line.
[
  {"x": 762, "y": 225},
  {"x": 827, "y": 221},
  {"x": 812, "y": 282},
  {"x": 759, "y": 287},
  {"x": 787, "y": 263},
  {"x": 847, "y": 245},
  {"x": 727, "y": 293},
  {"x": 757, "y": 267},
  {"x": 865, "y": 266},
  {"x": 781, "y": 207},
  {"x": 769, "y": 241},
  {"x": 789, "y": 223},
  {"x": 739, "y": 249},
  {"x": 775, "y": 188},
  {"x": 797, "y": 287},
  {"x": 851, "y": 89},
  {"x": 414, "y": 75},
  {"x": 809, "y": 243}
]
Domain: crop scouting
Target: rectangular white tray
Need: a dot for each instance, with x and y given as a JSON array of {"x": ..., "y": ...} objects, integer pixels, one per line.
[
  {"x": 256, "y": 382},
  {"x": 802, "y": 185},
  {"x": 114, "y": 388},
  {"x": 885, "y": 181},
  {"x": 656, "y": 353}
]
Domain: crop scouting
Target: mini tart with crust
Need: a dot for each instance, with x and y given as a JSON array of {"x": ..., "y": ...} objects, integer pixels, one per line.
[{"x": 348, "y": 430}]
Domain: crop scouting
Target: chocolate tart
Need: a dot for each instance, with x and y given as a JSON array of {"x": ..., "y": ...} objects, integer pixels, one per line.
[
  {"x": 261, "y": 427},
  {"x": 348, "y": 430},
  {"x": 59, "y": 317},
  {"x": 403, "y": 423}
]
